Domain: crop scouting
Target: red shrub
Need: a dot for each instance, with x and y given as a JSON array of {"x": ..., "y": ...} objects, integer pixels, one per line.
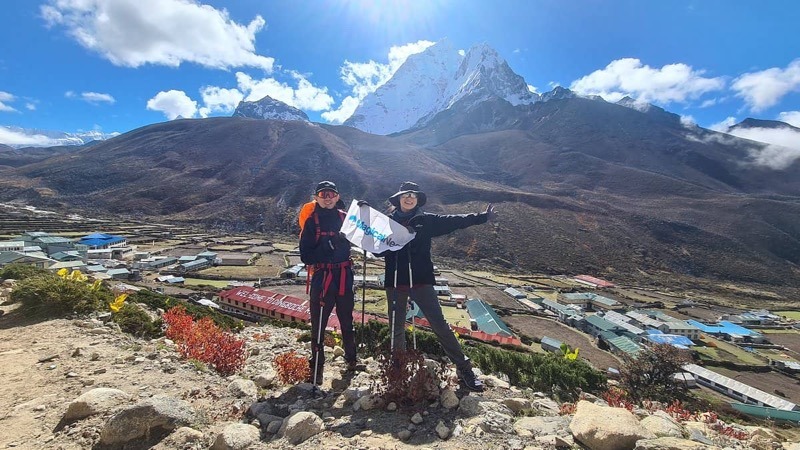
[
  {"x": 292, "y": 368},
  {"x": 204, "y": 341}
]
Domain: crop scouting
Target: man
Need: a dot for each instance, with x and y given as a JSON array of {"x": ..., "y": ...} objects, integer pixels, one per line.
[
  {"x": 409, "y": 272},
  {"x": 328, "y": 255}
]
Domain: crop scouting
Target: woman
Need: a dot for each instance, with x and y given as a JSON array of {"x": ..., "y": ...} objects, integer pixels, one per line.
[
  {"x": 409, "y": 272},
  {"x": 328, "y": 254}
]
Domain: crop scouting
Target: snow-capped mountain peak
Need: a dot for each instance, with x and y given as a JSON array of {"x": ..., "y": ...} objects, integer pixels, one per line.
[
  {"x": 269, "y": 108},
  {"x": 433, "y": 81}
]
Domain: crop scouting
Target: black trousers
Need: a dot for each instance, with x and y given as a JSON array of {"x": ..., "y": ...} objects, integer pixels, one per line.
[{"x": 344, "y": 312}]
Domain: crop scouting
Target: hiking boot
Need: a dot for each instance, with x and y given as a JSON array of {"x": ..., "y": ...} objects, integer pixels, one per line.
[{"x": 469, "y": 380}]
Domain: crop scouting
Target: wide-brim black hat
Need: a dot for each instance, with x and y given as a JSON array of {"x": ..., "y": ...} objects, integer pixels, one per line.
[{"x": 405, "y": 188}]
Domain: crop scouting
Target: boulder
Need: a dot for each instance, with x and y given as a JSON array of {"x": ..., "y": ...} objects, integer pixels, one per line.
[
  {"x": 300, "y": 426},
  {"x": 236, "y": 436},
  {"x": 605, "y": 428},
  {"x": 94, "y": 402},
  {"x": 156, "y": 416}
]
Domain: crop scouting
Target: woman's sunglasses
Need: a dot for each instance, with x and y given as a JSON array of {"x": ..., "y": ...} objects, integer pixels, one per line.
[
  {"x": 409, "y": 195},
  {"x": 327, "y": 194}
]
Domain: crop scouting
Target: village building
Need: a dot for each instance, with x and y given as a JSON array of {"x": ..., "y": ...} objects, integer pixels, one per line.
[
  {"x": 296, "y": 271},
  {"x": 442, "y": 291},
  {"x": 192, "y": 266},
  {"x": 737, "y": 390},
  {"x": 41, "y": 262},
  {"x": 593, "y": 281},
  {"x": 486, "y": 318},
  {"x": 101, "y": 240},
  {"x": 514, "y": 293},
  {"x": 566, "y": 314},
  {"x": 12, "y": 246},
  {"x": 551, "y": 345},
  {"x": 729, "y": 331},
  {"x": 620, "y": 345},
  {"x": 596, "y": 325},
  {"x": 589, "y": 301},
  {"x": 235, "y": 259},
  {"x": 69, "y": 265}
]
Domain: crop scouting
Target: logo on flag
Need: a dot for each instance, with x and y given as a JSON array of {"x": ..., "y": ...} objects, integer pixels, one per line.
[{"x": 373, "y": 231}]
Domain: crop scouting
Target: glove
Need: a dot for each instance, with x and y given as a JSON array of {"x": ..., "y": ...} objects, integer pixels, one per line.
[
  {"x": 491, "y": 214},
  {"x": 361, "y": 203}
]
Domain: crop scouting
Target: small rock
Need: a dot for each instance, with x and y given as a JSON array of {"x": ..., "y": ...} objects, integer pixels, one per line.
[
  {"x": 416, "y": 419},
  {"x": 442, "y": 430},
  {"x": 392, "y": 406},
  {"x": 403, "y": 435}
]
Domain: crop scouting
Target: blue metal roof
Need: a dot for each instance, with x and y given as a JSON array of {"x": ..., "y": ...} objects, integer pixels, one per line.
[
  {"x": 100, "y": 239},
  {"x": 671, "y": 339},
  {"x": 723, "y": 327}
]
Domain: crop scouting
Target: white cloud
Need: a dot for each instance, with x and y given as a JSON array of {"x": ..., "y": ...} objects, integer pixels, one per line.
[
  {"x": 783, "y": 147},
  {"x": 629, "y": 77},
  {"x": 723, "y": 126},
  {"x": 30, "y": 106},
  {"x": 91, "y": 97},
  {"x": 132, "y": 33},
  {"x": 365, "y": 78},
  {"x": 763, "y": 89},
  {"x": 790, "y": 117},
  {"x": 304, "y": 96},
  {"x": 688, "y": 121},
  {"x": 173, "y": 104},
  {"x": 6, "y": 97},
  {"x": 533, "y": 89},
  {"x": 709, "y": 103},
  {"x": 219, "y": 100},
  {"x": 96, "y": 97},
  {"x": 11, "y": 137}
]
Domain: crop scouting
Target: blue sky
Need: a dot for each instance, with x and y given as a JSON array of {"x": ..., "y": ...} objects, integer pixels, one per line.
[{"x": 116, "y": 65}]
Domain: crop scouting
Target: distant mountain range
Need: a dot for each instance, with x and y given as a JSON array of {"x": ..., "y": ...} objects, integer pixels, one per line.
[
  {"x": 50, "y": 138},
  {"x": 582, "y": 185}
]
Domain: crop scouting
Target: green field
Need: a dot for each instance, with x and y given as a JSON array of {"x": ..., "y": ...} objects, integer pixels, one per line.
[
  {"x": 198, "y": 281},
  {"x": 729, "y": 352},
  {"x": 789, "y": 314}
]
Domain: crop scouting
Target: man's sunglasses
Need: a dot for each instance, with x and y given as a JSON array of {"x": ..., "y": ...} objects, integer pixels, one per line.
[
  {"x": 327, "y": 194},
  {"x": 409, "y": 195}
]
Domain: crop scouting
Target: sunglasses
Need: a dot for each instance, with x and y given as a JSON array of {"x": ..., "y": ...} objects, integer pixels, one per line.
[
  {"x": 327, "y": 194},
  {"x": 409, "y": 195}
]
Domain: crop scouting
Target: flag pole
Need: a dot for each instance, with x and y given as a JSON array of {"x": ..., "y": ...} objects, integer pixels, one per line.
[{"x": 363, "y": 292}]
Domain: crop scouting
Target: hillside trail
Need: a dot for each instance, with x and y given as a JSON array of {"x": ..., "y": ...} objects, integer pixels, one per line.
[{"x": 46, "y": 364}]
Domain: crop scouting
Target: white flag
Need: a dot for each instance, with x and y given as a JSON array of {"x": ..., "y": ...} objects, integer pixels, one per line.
[{"x": 373, "y": 231}]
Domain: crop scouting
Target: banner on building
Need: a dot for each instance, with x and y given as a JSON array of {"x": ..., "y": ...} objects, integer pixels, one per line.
[{"x": 373, "y": 231}]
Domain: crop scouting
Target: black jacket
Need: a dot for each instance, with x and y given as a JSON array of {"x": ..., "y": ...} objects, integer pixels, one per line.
[
  {"x": 427, "y": 226},
  {"x": 330, "y": 248}
]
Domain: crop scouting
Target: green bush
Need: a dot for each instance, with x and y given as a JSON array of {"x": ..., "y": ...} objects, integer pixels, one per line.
[
  {"x": 545, "y": 373},
  {"x": 134, "y": 320},
  {"x": 50, "y": 295},
  {"x": 20, "y": 271}
]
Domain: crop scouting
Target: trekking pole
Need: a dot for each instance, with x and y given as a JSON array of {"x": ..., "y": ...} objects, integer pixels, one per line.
[
  {"x": 394, "y": 305},
  {"x": 410, "y": 291},
  {"x": 319, "y": 344}
]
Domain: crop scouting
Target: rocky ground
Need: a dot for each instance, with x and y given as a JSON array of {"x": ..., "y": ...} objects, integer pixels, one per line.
[{"x": 80, "y": 383}]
